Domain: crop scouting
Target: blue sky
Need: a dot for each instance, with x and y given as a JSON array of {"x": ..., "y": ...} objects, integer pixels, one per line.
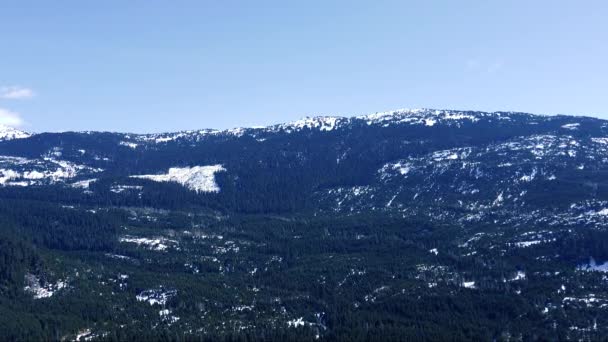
[{"x": 151, "y": 66}]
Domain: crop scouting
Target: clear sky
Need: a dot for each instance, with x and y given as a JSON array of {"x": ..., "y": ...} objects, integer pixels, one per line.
[{"x": 151, "y": 66}]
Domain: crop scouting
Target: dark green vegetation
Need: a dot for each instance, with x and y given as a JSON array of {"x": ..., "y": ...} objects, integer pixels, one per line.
[
  {"x": 348, "y": 277},
  {"x": 457, "y": 230}
]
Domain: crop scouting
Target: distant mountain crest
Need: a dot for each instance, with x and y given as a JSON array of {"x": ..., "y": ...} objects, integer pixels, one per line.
[
  {"x": 324, "y": 123},
  {"x": 9, "y": 133}
]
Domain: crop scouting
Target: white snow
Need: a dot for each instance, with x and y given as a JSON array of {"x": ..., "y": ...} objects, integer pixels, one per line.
[
  {"x": 402, "y": 167},
  {"x": 38, "y": 291},
  {"x": 323, "y": 123},
  {"x": 527, "y": 243},
  {"x": 8, "y": 175},
  {"x": 427, "y": 117},
  {"x": 241, "y": 308},
  {"x": 299, "y": 322},
  {"x": 603, "y": 212},
  {"x": 530, "y": 177},
  {"x": 440, "y": 156},
  {"x": 391, "y": 201},
  {"x": 459, "y": 116},
  {"x": 166, "y": 316},
  {"x": 196, "y": 135},
  {"x": 196, "y": 178},
  {"x": 499, "y": 200},
  {"x": 519, "y": 276},
  {"x": 603, "y": 141},
  {"x": 24, "y": 172},
  {"x": 118, "y": 256},
  {"x": 157, "y": 244},
  {"x": 83, "y": 184},
  {"x": 571, "y": 126},
  {"x": 9, "y": 133},
  {"x": 592, "y": 266},
  {"x": 122, "y": 188},
  {"x": 164, "y": 137},
  {"x": 156, "y": 296},
  {"x": 468, "y": 284},
  {"x": 85, "y": 335},
  {"x": 129, "y": 144}
]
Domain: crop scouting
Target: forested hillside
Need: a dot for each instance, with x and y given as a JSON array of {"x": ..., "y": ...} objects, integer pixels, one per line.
[{"x": 405, "y": 225}]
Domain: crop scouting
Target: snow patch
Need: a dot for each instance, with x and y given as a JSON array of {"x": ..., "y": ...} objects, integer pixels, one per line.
[
  {"x": 197, "y": 178},
  {"x": 9, "y": 133},
  {"x": 468, "y": 284},
  {"x": 83, "y": 184},
  {"x": 571, "y": 126},
  {"x": 592, "y": 266},
  {"x": 24, "y": 172},
  {"x": 156, "y": 296},
  {"x": 156, "y": 244},
  {"x": 117, "y": 189},
  {"x": 322, "y": 123},
  {"x": 129, "y": 144},
  {"x": 38, "y": 290},
  {"x": 519, "y": 276}
]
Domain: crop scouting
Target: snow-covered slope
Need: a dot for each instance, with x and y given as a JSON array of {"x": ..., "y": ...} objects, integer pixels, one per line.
[
  {"x": 510, "y": 181},
  {"x": 18, "y": 171},
  {"x": 422, "y": 117},
  {"x": 468, "y": 161},
  {"x": 197, "y": 178},
  {"x": 9, "y": 133}
]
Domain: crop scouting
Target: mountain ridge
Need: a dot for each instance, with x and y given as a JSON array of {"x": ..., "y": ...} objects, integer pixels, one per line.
[
  {"x": 8, "y": 133},
  {"x": 315, "y": 121},
  {"x": 380, "y": 151},
  {"x": 494, "y": 221}
]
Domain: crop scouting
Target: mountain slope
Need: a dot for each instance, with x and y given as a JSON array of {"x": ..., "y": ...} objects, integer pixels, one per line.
[
  {"x": 440, "y": 157},
  {"x": 9, "y": 133},
  {"x": 421, "y": 224}
]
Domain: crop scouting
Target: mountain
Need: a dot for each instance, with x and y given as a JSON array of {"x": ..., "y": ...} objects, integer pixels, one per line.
[
  {"x": 428, "y": 224},
  {"x": 395, "y": 161},
  {"x": 8, "y": 133}
]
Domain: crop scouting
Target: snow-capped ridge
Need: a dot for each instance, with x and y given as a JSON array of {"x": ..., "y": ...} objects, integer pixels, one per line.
[
  {"x": 426, "y": 117},
  {"x": 423, "y": 116},
  {"x": 10, "y": 133},
  {"x": 322, "y": 123}
]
